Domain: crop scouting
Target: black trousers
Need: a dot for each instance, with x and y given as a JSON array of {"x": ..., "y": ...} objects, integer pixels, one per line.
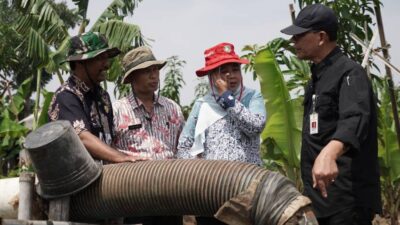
[{"x": 349, "y": 216}]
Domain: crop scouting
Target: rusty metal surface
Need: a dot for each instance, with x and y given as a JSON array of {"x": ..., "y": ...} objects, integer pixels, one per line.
[
  {"x": 170, "y": 187},
  {"x": 189, "y": 187}
]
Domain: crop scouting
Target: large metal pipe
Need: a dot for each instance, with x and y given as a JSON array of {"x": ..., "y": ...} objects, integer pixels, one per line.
[{"x": 188, "y": 187}]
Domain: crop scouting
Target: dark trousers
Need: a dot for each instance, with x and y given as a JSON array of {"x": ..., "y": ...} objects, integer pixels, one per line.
[
  {"x": 155, "y": 220},
  {"x": 350, "y": 216}
]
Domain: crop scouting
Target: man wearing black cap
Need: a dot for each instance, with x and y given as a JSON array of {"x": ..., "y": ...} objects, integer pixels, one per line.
[{"x": 339, "y": 161}]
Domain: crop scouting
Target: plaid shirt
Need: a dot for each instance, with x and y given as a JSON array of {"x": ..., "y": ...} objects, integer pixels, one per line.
[{"x": 154, "y": 136}]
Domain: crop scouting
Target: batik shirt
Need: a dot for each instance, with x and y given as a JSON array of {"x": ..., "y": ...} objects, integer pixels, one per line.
[
  {"x": 152, "y": 135},
  {"x": 86, "y": 110},
  {"x": 235, "y": 136}
]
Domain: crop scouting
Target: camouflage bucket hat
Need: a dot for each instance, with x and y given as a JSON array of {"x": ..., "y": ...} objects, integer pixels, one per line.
[{"x": 89, "y": 45}]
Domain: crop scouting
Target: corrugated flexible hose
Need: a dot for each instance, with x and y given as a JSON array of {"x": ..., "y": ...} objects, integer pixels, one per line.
[{"x": 184, "y": 187}]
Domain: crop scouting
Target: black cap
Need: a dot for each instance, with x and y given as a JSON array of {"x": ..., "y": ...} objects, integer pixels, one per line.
[{"x": 316, "y": 17}]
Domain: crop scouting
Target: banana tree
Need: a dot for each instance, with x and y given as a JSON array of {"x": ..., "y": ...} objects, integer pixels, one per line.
[
  {"x": 11, "y": 131},
  {"x": 281, "y": 137},
  {"x": 389, "y": 155},
  {"x": 48, "y": 35}
]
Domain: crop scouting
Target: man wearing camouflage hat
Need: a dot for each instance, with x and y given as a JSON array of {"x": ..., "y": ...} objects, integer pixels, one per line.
[{"x": 83, "y": 102}]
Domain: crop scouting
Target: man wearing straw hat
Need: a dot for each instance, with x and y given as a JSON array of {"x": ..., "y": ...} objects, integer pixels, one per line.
[
  {"x": 83, "y": 102},
  {"x": 145, "y": 122}
]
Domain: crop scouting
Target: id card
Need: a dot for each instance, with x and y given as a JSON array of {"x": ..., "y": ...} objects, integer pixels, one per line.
[{"x": 314, "y": 123}]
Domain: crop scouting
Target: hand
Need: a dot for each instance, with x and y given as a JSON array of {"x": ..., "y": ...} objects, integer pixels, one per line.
[
  {"x": 132, "y": 157},
  {"x": 220, "y": 84},
  {"x": 325, "y": 170}
]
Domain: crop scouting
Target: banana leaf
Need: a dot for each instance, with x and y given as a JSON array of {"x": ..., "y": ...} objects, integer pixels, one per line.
[
  {"x": 388, "y": 153},
  {"x": 43, "y": 118},
  {"x": 283, "y": 122}
]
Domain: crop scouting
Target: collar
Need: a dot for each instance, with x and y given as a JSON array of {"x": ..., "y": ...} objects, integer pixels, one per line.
[
  {"x": 74, "y": 81},
  {"x": 137, "y": 103},
  {"x": 327, "y": 61}
]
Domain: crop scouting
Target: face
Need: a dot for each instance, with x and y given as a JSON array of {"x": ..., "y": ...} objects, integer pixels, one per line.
[
  {"x": 97, "y": 67},
  {"x": 307, "y": 44},
  {"x": 231, "y": 73},
  {"x": 146, "y": 80}
]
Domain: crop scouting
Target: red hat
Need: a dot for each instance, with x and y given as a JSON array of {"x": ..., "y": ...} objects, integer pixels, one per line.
[{"x": 218, "y": 55}]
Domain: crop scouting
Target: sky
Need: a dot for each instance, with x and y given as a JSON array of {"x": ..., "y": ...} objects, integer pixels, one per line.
[{"x": 187, "y": 27}]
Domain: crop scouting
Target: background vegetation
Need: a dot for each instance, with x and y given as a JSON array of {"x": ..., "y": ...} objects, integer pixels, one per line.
[{"x": 33, "y": 42}]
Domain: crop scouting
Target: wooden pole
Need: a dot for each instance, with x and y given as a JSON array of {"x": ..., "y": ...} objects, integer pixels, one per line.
[
  {"x": 26, "y": 192},
  {"x": 59, "y": 209},
  {"x": 366, "y": 41},
  {"x": 385, "y": 52},
  {"x": 292, "y": 12}
]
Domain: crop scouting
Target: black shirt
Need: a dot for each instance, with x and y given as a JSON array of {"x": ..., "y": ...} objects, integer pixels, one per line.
[
  {"x": 87, "y": 109},
  {"x": 346, "y": 107}
]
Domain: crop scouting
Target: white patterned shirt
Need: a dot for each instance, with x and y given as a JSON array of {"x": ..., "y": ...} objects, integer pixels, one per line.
[{"x": 235, "y": 137}]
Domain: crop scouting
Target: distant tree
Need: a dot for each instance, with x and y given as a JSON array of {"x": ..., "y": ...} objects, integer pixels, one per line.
[
  {"x": 48, "y": 38},
  {"x": 173, "y": 81},
  {"x": 15, "y": 65}
]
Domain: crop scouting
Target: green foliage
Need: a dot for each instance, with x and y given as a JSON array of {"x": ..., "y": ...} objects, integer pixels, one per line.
[
  {"x": 282, "y": 133},
  {"x": 251, "y": 51},
  {"x": 296, "y": 72},
  {"x": 173, "y": 81},
  {"x": 201, "y": 88},
  {"x": 15, "y": 67},
  {"x": 11, "y": 131},
  {"x": 388, "y": 152},
  {"x": 43, "y": 117},
  {"x": 352, "y": 15},
  {"x": 120, "y": 34},
  {"x": 34, "y": 41}
]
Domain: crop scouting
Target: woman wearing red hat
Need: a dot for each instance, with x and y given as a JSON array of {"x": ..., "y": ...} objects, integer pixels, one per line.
[{"x": 226, "y": 123}]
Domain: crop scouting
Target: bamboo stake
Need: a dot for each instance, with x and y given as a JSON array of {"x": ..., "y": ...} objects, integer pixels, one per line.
[
  {"x": 292, "y": 12},
  {"x": 366, "y": 41},
  {"x": 385, "y": 52},
  {"x": 37, "y": 100}
]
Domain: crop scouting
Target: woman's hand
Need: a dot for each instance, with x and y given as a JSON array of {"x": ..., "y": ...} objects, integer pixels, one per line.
[{"x": 220, "y": 84}]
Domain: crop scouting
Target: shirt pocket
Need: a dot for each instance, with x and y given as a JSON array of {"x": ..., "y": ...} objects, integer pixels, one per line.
[
  {"x": 327, "y": 113},
  {"x": 326, "y": 107}
]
